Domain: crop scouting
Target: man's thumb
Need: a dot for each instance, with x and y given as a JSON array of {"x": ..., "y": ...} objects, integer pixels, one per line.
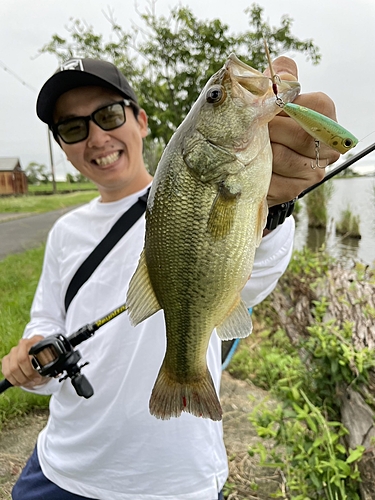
[{"x": 285, "y": 67}]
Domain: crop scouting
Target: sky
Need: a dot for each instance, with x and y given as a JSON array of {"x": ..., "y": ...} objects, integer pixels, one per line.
[{"x": 344, "y": 31}]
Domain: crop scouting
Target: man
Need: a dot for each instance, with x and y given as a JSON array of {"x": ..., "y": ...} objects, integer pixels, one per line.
[{"x": 109, "y": 447}]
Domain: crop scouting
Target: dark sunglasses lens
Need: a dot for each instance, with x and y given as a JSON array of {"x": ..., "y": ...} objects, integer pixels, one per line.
[
  {"x": 73, "y": 130},
  {"x": 110, "y": 117}
]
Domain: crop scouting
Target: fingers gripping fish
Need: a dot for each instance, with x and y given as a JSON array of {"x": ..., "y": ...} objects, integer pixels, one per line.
[{"x": 204, "y": 220}]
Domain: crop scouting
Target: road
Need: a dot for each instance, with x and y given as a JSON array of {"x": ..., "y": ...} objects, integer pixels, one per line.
[{"x": 19, "y": 233}]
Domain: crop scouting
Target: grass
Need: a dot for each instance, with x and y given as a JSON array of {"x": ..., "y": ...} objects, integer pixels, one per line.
[
  {"x": 39, "y": 204},
  {"x": 19, "y": 275},
  {"x": 316, "y": 204},
  {"x": 348, "y": 225},
  {"x": 61, "y": 186}
]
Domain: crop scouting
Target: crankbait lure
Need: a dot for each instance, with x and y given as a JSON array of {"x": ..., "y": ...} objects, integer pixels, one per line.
[{"x": 321, "y": 127}]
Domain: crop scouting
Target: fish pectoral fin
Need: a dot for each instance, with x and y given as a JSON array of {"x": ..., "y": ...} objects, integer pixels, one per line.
[
  {"x": 222, "y": 212},
  {"x": 261, "y": 221},
  {"x": 237, "y": 324},
  {"x": 169, "y": 397},
  {"x": 141, "y": 300}
]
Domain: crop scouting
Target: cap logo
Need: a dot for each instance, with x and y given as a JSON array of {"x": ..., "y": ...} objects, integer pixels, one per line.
[{"x": 75, "y": 64}]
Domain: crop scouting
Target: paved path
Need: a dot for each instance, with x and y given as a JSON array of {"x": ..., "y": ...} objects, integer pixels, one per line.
[{"x": 19, "y": 232}]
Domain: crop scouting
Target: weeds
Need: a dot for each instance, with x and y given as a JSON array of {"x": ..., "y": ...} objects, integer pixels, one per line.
[
  {"x": 317, "y": 203},
  {"x": 308, "y": 436},
  {"x": 348, "y": 225}
]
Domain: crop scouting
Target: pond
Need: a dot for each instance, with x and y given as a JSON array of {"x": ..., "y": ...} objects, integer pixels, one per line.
[{"x": 358, "y": 194}]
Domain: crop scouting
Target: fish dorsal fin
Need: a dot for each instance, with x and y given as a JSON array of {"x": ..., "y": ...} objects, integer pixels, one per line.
[
  {"x": 237, "y": 324},
  {"x": 222, "y": 212},
  {"x": 141, "y": 299}
]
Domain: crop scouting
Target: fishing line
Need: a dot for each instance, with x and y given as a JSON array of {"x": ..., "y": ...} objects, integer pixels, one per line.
[
  {"x": 25, "y": 84},
  {"x": 365, "y": 137}
]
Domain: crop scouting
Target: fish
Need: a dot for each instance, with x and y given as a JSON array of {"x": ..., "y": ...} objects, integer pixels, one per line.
[{"x": 205, "y": 216}]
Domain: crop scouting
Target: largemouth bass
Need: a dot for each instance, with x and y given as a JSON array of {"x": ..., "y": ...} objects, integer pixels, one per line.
[{"x": 204, "y": 220}]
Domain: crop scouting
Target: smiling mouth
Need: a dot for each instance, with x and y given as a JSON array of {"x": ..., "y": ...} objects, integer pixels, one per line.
[{"x": 107, "y": 160}]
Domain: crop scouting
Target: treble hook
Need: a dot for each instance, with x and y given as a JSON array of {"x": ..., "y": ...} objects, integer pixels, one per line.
[{"x": 317, "y": 149}]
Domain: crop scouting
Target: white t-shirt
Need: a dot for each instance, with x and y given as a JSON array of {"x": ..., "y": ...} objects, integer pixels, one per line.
[{"x": 109, "y": 447}]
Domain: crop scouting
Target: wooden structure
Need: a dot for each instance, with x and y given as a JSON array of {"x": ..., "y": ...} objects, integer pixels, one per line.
[{"x": 13, "y": 179}]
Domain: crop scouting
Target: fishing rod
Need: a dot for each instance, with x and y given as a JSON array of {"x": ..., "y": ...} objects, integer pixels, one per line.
[
  {"x": 55, "y": 355},
  {"x": 278, "y": 213},
  {"x": 339, "y": 169}
]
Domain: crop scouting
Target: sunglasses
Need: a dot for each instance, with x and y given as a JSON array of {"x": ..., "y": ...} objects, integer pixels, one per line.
[{"x": 76, "y": 129}]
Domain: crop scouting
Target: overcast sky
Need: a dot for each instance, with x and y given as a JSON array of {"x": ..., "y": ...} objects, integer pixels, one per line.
[{"x": 344, "y": 30}]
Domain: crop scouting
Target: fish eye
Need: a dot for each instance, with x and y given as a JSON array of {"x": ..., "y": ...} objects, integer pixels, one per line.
[
  {"x": 347, "y": 143},
  {"x": 215, "y": 94}
]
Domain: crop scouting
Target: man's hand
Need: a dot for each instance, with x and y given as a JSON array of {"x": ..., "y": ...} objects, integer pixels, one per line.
[
  {"x": 293, "y": 149},
  {"x": 17, "y": 367}
]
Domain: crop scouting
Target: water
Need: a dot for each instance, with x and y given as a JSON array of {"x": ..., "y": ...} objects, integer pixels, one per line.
[{"x": 358, "y": 194}]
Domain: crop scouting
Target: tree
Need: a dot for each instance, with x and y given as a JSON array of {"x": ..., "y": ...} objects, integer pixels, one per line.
[
  {"x": 37, "y": 173},
  {"x": 81, "y": 178},
  {"x": 70, "y": 178},
  {"x": 169, "y": 58}
]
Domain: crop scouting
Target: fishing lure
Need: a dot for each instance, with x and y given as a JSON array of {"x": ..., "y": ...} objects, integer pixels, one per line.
[{"x": 319, "y": 126}]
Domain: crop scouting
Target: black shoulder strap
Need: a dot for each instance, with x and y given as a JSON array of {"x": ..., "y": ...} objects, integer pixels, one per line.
[{"x": 88, "y": 266}]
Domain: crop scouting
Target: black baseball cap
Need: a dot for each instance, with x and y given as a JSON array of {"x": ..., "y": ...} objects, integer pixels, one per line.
[{"x": 80, "y": 73}]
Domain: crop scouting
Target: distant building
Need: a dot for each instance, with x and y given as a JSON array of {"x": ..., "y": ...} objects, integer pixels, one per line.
[{"x": 13, "y": 179}]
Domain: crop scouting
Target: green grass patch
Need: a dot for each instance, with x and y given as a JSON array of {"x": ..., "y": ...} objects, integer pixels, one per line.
[
  {"x": 317, "y": 205},
  {"x": 304, "y": 426},
  {"x": 348, "y": 225},
  {"x": 265, "y": 358},
  {"x": 39, "y": 204},
  {"x": 19, "y": 275},
  {"x": 61, "y": 186}
]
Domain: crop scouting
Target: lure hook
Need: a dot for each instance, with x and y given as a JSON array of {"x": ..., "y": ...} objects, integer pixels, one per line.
[{"x": 316, "y": 164}]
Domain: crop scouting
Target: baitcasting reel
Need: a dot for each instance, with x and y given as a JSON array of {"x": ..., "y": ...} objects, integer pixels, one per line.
[{"x": 55, "y": 355}]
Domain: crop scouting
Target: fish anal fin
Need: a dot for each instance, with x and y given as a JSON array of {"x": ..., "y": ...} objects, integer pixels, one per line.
[
  {"x": 169, "y": 398},
  {"x": 237, "y": 324},
  {"x": 222, "y": 212},
  {"x": 141, "y": 299}
]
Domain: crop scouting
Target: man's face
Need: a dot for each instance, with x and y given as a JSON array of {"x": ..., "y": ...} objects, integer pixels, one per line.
[{"x": 111, "y": 159}]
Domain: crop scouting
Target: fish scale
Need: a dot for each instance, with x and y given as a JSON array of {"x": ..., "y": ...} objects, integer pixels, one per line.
[{"x": 205, "y": 216}]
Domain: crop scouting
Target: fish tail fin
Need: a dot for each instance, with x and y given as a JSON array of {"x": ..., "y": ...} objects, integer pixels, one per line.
[{"x": 170, "y": 398}]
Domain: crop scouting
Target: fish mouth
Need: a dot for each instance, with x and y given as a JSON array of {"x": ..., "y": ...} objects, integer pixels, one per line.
[
  {"x": 258, "y": 84},
  {"x": 249, "y": 78}
]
